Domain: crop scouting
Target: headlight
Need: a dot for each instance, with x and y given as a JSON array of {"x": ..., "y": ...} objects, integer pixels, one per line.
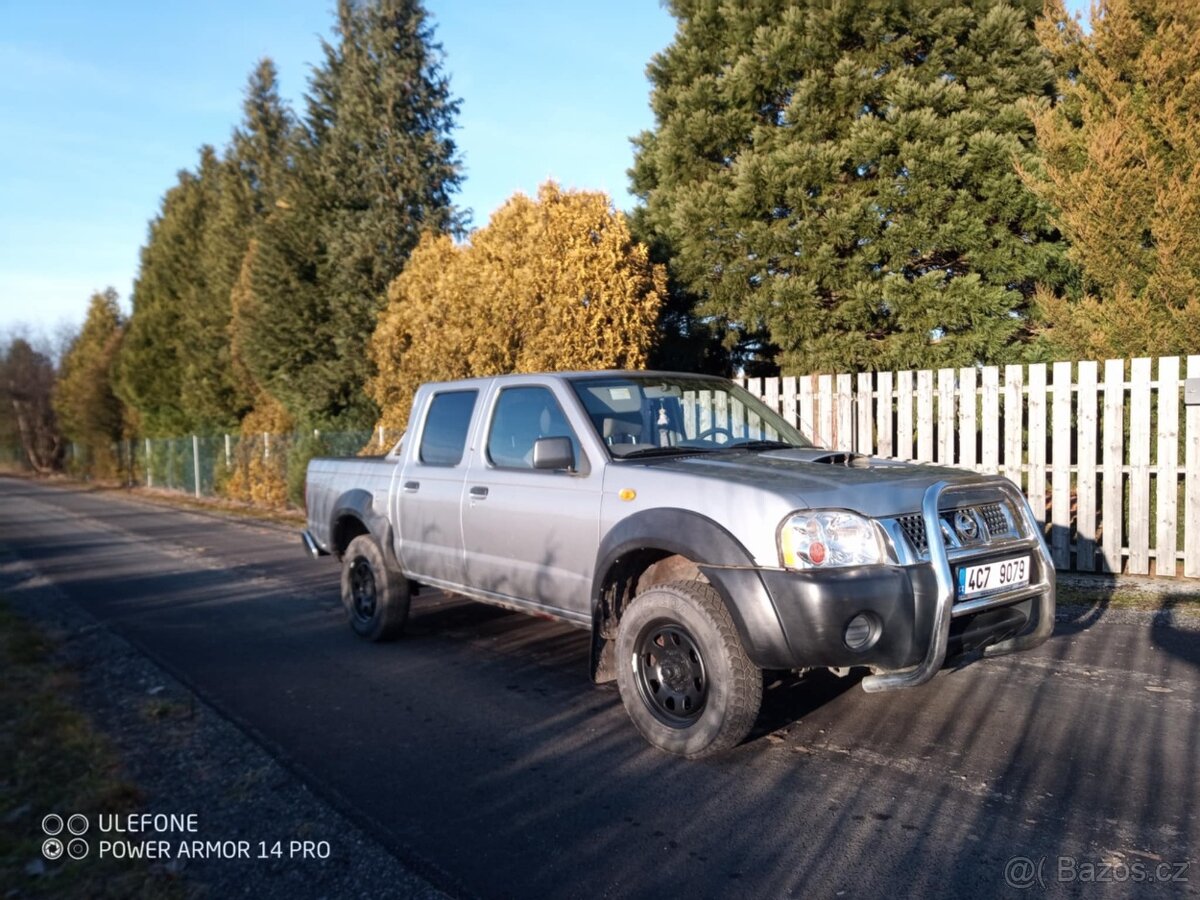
[{"x": 824, "y": 540}]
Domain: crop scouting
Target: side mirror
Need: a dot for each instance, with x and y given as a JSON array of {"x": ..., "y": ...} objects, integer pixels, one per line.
[{"x": 553, "y": 453}]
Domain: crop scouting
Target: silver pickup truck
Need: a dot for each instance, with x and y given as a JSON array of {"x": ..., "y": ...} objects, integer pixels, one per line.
[{"x": 698, "y": 536}]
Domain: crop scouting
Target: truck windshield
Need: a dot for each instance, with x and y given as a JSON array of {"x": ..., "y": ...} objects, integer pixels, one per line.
[{"x": 652, "y": 415}]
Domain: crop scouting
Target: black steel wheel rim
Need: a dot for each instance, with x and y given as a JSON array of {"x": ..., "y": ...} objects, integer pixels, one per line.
[
  {"x": 670, "y": 673},
  {"x": 362, "y": 590}
]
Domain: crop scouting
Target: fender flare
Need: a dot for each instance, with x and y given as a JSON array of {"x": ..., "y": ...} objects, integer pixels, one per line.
[
  {"x": 359, "y": 504},
  {"x": 728, "y": 566}
]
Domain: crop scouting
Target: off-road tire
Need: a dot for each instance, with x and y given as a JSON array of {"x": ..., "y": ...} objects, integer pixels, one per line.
[
  {"x": 701, "y": 647},
  {"x": 376, "y": 597}
]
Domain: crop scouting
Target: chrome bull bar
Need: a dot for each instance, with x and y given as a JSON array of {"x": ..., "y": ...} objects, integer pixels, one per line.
[{"x": 1043, "y": 592}]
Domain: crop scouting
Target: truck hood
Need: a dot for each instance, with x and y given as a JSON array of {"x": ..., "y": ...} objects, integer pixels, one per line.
[{"x": 816, "y": 479}]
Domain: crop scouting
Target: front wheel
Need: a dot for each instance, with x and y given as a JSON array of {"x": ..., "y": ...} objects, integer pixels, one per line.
[
  {"x": 376, "y": 598},
  {"x": 684, "y": 676}
]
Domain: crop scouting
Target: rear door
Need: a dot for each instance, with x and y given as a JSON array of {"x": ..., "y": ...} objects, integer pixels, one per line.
[{"x": 429, "y": 495}]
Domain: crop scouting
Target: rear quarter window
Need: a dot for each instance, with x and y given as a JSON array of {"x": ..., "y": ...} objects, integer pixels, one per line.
[{"x": 444, "y": 437}]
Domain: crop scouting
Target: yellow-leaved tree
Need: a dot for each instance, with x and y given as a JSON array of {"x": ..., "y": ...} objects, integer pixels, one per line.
[
  {"x": 1121, "y": 172},
  {"x": 550, "y": 284},
  {"x": 91, "y": 415}
]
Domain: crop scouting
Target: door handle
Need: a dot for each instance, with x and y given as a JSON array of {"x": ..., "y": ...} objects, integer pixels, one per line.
[
  {"x": 479, "y": 492},
  {"x": 412, "y": 486}
]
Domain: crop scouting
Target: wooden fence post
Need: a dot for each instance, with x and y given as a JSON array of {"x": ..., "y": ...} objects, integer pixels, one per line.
[
  {"x": 904, "y": 415},
  {"x": 1014, "y": 424},
  {"x": 863, "y": 442},
  {"x": 967, "y": 404},
  {"x": 1191, "y": 497},
  {"x": 1139, "y": 466},
  {"x": 1166, "y": 479},
  {"x": 925, "y": 415},
  {"x": 945, "y": 417},
  {"x": 1060, "y": 467},
  {"x": 883, "y": 414},
  {"x": 1036, "y": 492},
  {"x": 1112, "y": 516},
  {"x": 1085, "y": 503}
]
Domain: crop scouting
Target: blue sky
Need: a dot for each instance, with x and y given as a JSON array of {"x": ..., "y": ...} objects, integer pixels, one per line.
[{"x": 103, "y": 102}]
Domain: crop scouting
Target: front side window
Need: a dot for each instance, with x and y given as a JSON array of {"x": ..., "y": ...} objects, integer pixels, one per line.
[
  {"x": 444, "y": 437},
  {"x": 522, "y": 415}
]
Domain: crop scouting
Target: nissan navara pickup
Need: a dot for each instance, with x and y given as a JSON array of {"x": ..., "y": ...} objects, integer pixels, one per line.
[{"x": 697, "y": 535}]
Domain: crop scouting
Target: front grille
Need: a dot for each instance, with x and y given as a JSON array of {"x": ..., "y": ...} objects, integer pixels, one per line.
[
  {"x": 996, "y": 521},
  {"x": 914, "y": 530},
  {"x": 998, "y": 525}
]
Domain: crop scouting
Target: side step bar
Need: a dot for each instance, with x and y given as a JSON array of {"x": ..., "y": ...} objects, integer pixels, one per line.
[{"x": 311, "y": 545}]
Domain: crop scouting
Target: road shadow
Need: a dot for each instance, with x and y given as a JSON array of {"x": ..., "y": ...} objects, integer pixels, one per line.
[{"x": 789, "y": 697}]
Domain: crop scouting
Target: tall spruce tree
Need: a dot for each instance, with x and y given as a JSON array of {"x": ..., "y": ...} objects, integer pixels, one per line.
[
  {"x": 841, "y": 179},
  {"x": 246, "y": 184},
  {"x": 374, "y": 169},
  {"x": 175, "y": 366},
  {"x": 1122, "y": 170},
  {"x": 262, "y": 145},
  {"x": 149, "y": 368},
  {"x": 211, "y": 398}
]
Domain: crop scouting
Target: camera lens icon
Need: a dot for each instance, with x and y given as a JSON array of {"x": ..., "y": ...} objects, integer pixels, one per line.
[
  {"x": 77, "y": 849},
  {"x": 77, "y": 824},
  {"x": 52, "y": 824},
  {"x": 52, "y": 848}
]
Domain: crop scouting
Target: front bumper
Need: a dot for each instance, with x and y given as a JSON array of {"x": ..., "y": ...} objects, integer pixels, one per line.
[{"x": 917, "y": 624}]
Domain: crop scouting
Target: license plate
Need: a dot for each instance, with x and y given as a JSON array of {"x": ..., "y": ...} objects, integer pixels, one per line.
[{"x": 993, "y": 576}]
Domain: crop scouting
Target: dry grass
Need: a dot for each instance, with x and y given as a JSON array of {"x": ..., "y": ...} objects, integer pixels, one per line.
[{"x": 55, "y": 761}]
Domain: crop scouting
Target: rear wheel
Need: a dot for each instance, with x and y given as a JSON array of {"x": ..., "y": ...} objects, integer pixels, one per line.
[
  {"x": 376, "y": 598},
  {"x": 684, "y": 676}
]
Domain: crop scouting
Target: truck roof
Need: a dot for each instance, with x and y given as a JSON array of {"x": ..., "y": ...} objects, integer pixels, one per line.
[{"x": 575, "y": 375}]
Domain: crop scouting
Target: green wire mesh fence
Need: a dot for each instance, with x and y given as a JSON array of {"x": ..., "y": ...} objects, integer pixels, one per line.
[{"x": 265, "y": 469}]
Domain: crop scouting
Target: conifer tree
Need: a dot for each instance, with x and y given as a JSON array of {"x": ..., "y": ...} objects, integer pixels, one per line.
[
  {"x": 176, "y": 367},
  {"x": 840, "y": 178},
  {"x": 242, "y": 188},
  {"x": 211, "y": 398},
  {"x": 89, "y": 412},
  {"x": 1122, "y": 171},
  {"x": 149, "y": 367},
  {"x": 374, "y": 169}
]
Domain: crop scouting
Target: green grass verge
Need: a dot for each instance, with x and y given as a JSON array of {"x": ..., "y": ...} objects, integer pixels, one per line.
[
  {"x": 55, "y": 761},
  {"x": 1129, "y": 598}
]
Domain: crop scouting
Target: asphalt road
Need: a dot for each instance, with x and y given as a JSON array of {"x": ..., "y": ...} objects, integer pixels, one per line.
[{"x": 476, "y": 747}]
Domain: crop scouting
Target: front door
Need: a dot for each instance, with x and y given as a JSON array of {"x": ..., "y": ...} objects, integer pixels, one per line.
[{"x": 531, "y": 534}]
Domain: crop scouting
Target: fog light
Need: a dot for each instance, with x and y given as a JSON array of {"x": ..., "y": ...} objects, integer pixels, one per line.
[{"x": 860, "y": 631}]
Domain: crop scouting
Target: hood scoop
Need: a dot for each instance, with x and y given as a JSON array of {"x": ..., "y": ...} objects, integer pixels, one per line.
[
  {"x": 849, "y": 460},
  {"x": 819, "y": 455}
]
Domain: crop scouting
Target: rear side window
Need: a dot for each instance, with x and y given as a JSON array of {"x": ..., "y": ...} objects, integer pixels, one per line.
[{"x": 445, "y": 434}]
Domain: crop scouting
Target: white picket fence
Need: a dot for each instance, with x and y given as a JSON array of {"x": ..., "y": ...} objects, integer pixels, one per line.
[{"x": 1103, "y": 462}]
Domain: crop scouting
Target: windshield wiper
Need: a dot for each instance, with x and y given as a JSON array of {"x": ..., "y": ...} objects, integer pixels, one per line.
[
  {"x": 646, "y": 452},
  {"x": 759, "y": 445}
]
